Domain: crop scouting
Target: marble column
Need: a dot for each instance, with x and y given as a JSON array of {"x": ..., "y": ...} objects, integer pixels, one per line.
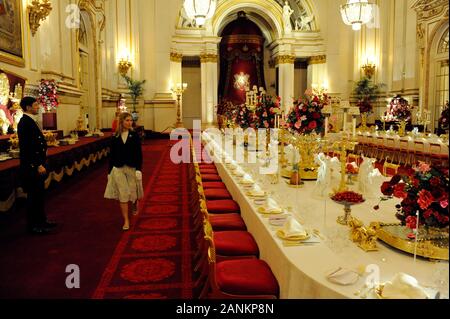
[
  {"x": 209, "y": 84},
  {"x": 286, "y": 80}
]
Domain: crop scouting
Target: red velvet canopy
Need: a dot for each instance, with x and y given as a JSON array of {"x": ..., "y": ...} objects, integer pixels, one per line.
[{"x": 241, "y": 57}]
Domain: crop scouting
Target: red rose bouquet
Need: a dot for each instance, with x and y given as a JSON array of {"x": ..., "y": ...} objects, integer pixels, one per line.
[
  {"x": 425, "y": 192},
  {"x": 48, "y": 94},
  {"x": 306, "y": 116},
  {"x": 265, "y": 111}
]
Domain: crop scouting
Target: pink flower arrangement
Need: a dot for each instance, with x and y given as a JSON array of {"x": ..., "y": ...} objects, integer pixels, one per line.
[
  {"x": 48, "y": 94},
  {"x": 265, "y": 112},
  {"x": 306, "y": 115}
]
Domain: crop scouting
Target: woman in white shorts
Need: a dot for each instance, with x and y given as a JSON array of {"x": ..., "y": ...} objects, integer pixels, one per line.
[{"x": 125, "y": 177}]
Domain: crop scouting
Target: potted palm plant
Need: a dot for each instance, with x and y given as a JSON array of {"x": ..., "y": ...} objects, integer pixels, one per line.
[
  {"x": 135, "y": 89},
  {"x": 367, "y": 93}
]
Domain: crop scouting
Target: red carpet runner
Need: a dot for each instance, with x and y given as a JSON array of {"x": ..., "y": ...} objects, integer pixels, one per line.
[{"x": 153, "y": 259}]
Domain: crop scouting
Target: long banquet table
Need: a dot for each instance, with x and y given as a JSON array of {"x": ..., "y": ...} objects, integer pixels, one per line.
[
  {"x": 301, "y": 270},
  {"x": 61, "y": 161}
]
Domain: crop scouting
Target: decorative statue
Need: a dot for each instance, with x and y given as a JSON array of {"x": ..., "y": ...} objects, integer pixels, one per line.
[
  {"x": 4, "y": 123},
  {"x": 364, "y": 177},
  {"x": 303, "y": 22},
  {"x": 324, "y": 175},
  {"x": 287, "y": 12}
]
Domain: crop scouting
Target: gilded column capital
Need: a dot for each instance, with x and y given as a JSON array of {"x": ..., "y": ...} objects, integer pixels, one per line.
[
  {"x": 176, "y": 57},
  {"x": 284, "y": 59},
  {"x": 208, "y": 57},
  {"x": 319, "y": 59}
]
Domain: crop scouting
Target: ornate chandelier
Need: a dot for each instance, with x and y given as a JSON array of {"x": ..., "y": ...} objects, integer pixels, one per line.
[
  {"x": 356, "y": 13},
  {"x": 200, "y": 10}
]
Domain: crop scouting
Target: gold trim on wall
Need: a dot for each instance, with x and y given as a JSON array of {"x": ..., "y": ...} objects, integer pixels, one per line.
[
  {"x": 176, "y": 57},
  {"x": 285, "y": 59},
  {"x": 209, "y": 57},
  {"x": 319, "y": 59}
]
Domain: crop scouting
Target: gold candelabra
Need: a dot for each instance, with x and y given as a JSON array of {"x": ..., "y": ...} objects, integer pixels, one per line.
[
  {"x": 178, "y": 90},
  {"x": 283, "y": 161},
  {"x": 343, "y": 147},
  {"x": 38, "y": 11}
]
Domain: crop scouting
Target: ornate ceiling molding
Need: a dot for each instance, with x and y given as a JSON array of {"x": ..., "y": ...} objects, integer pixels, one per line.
[{"x": 429, "y": 9}]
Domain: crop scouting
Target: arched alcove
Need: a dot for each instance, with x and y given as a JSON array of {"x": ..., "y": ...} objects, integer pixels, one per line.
[{"x": 438, "y": 69}]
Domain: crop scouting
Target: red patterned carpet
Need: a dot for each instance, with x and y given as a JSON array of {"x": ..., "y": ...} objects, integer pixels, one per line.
[
  {"x": 146, "y": 262},
  {"x": 153, "y": 259}
]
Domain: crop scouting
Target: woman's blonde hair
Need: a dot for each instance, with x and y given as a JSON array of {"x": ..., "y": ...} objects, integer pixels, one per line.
[{"x": 122, "y": 117}]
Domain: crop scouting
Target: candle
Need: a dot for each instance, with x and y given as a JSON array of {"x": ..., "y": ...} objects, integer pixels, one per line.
[
  {"x": 416, "y": 231},
  {"x": 354, "y": 126},
  {"x": 345, "y": 121},
  {"x": 326, "y": 126}
]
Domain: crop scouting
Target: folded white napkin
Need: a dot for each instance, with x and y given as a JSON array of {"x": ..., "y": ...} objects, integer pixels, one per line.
[
  {"x": 272, "y": 206},
  {"x": 247, "y": 179},
  {"x": 257, "y": 191},
  {"x": 343, "y": 276},
  {"x": 293, "y": 229},
  {"x": 403, "y": 286},
  {"x": 239, "y": 172}
]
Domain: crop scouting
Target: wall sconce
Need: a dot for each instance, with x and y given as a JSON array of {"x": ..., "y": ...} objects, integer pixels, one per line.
[
  {"x": 369, "y": 69},
  {"x": 38, "y": 11},
  {"x": 124, "y": 66}
]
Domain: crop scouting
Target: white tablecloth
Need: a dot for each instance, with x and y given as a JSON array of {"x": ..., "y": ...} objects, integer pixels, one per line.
[{"x": 301, "y": 270}]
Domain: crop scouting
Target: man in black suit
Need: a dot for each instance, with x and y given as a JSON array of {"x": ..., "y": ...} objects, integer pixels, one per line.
[{"x": 33, "y": 156}]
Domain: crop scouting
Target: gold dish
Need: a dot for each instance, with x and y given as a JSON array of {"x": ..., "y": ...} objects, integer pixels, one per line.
[
  {"x": 281, "y": 235},
  {"x": 263, "y": 210},
  {"x": 256, "y": 195},
  {"x": 433, "y": 247}
]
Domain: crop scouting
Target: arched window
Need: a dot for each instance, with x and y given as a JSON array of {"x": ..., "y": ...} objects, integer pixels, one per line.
[{"x": 442, "y": 76}]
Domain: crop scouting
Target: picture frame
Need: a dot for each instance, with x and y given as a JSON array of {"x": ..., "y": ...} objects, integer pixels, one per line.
[{"x": 11, "y": 32}]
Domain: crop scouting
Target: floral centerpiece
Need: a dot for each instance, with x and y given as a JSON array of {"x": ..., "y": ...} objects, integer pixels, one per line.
[
  {"x": 48, "y": 94},
  {"x": 398, "y": 110},
  {"x": 425, "y": 193},
  {"x": 243, "y": 117},
  {"x": 226, "y": 113},
  {"x": 306, "y": 115},
  {"x": 266, "y": 110},
  {"x": 444, "y": 118}
]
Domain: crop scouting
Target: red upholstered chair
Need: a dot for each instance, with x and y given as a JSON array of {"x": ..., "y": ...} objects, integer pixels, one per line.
[
  {"x": 209, "y": 185},
  {"x": 232, "y": 221},
  {"x": 235, "y": 244},
  {"x": 419, "y": 152},
  {"x": 238, "y": 278},
  {"x": 217, "y": 193},
  {"x": 222, "y": 206},
  {"x": 220, "y": 222},
  {"x": 437, "y": 156},
  {"x": 390, "y": 169}
]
